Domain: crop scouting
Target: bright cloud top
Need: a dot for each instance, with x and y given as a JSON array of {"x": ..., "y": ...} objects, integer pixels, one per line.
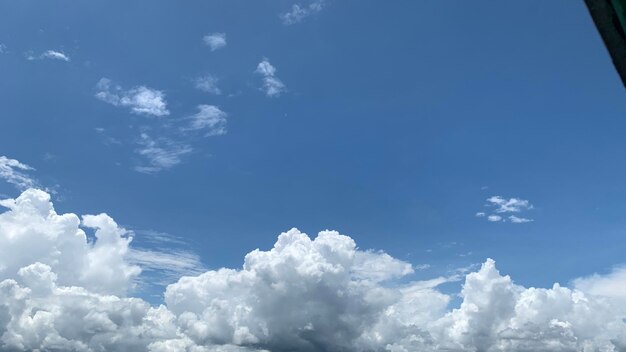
[
  {"x": 298, "y": 13},
  {"x": 141, "y": 100},
  {"x": 215, "y": 41},
  {"x": 62, "y": 288},
  {"x": 272, "y": 86},
  {"x": 501, "y": 206},
  {"x": 14, "y": 172}
]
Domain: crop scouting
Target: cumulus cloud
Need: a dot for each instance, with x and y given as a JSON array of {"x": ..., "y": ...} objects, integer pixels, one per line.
[
  {"x": 31, "y": 231},
  {"x": 160, "y": 154},
  {"x": 611, "y": 285},
  {"x": 298, "y": 13},
  {"x": 272, "y": 86},
  {"x": 209, "y": 119},
  {"x": 15, "y": 173},
  {"x": 141, "y": 100},
  {"x": 215, "y": 40},
  {"x": 208, "y": 84},
  {"x": 59, "y": 291}
]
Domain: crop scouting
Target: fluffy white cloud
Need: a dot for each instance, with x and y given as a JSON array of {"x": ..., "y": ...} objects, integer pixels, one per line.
[
  {"x": 209, "y": 119},
  {"x": 55, "y": 55},
  {"x": 208, "y": 83},
  {"x": 141, "y": 100},
  {"x": 297, "y": 13},
  {"x": 215, "y": 40},
  {"x": 160, "y": 154},
  {"x": 31, "y": 231},
  {"x": 14, "y": 172},
  {"x": 272, "y": 86},
  {"x": 60, "y": 291}
]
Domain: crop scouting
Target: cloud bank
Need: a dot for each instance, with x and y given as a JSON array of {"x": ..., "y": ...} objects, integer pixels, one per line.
[{"x": 65, "y": 282}]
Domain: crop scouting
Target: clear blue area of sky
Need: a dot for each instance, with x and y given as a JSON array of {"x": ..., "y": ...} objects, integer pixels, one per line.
[{"x": 400, "y": 119}]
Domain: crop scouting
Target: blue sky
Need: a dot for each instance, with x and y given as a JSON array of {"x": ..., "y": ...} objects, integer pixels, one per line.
[
  {"x": 394, "y": 124},
  {"x": 431, "y": 135}
]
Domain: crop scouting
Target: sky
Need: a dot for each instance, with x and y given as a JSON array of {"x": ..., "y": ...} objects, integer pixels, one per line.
[{"x": 438, "y": 139}]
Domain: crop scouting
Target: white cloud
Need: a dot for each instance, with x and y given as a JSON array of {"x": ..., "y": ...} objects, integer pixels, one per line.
[
  {"x": 208, "y": 83},
  {"x": 272, "y": 86},
  {"x": 31, "y": 231},
  {"x": 511, "y": 205},
  {"x": 3, "y": 48},
  {"x": 61, "y": 291},
  {"x": 55, "y": 55},
  {"x": 297, "y": 13},
  {"x": 141, "y": 100},
  {"x": 215, "y": 40},
  {"x": 518, "y": 220},
  {"x": 503, "y": 206},
  {"x": 611, "y": 285},
  {"x": 14, "y": 172},
  {"x": 161, "y": 154},
  {"x": 494, "y": 218},
  {"x": 209, "y": 119}
]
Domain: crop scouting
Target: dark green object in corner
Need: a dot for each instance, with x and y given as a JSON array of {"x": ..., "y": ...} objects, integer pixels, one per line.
[{"x": 610, "y": 19}]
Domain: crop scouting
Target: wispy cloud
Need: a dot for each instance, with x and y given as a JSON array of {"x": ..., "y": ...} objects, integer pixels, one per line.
[
  {"x": 3, "y": 48},
  {"x": 55, "y": 55},
  {"x": 502, "y": 206},
  {"x": 519, "y": 220},
  {"x": 215, "y": 40},
  {"x": 160, "y": 155},
  {"x": 14, "y": 172},
  {"x": 48, "y": 54},
  {"x": 209, "y": 119},
  {"x": 208, "y": 83},
  {"x": 272, "y": 86},
  {"x": 298, "y": 13},
  {"x": 141, "y": 100}
]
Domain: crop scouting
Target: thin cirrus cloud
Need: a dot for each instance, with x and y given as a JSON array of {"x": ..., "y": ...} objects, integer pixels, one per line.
[
  {"x": 299, "y": 12},
  {"x": 160, "y": 154},
  {"x": 272, "y": 86},
  {"x": 67, "y": 282},
  {"x": 16, "y": 173},
  {"x": 215, "y": 41},
  {"x": 501, "y": 207},
  {"x": 141, "y": 100}
]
